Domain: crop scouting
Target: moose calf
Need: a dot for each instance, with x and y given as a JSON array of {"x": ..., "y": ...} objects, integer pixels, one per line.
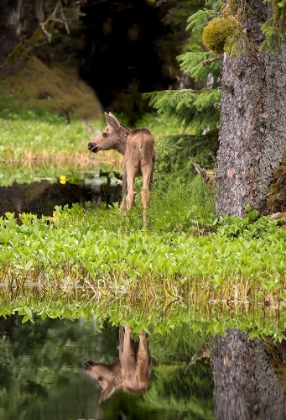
[{"x": 138, "y": 149}]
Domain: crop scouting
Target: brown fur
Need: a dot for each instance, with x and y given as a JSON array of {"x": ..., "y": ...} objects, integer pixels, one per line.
[
  {"x": 131, "y": 371},
  {"x": 138, "y": 149}
]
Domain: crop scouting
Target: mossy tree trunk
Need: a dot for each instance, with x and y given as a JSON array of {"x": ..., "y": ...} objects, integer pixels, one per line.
[
  {"x": 245, "y": 384},
  {"x": 253, "y": 126}
]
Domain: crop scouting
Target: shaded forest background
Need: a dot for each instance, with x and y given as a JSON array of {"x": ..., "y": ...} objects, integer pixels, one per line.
[{"x": 120, "y": 49}]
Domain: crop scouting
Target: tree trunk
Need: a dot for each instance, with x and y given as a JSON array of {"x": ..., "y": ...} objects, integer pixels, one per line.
[
  {"x": 253, "y": 119},
  {"x": 17, "y": 18},
  {"x": 245, "y": 385}
]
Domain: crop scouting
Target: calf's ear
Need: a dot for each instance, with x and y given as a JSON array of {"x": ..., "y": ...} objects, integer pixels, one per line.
[{"x": 112, "y": 120}]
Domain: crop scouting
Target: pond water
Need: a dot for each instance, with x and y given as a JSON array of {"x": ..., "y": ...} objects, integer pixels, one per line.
[
  {"x": 43, "y": 377},
  {"x": 46, "y": 366},
  {"x": 42, "y": 195}
]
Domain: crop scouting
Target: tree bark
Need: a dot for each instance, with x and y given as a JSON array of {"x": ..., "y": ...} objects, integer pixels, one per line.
[
  {"x": 253, "y": 119},
  {"x": 245, "y": 384}
]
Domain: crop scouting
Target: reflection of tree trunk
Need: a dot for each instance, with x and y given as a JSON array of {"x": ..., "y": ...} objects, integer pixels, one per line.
[{"x": 246, "y": 386}]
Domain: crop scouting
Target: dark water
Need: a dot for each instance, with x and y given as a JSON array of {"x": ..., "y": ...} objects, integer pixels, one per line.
[
  {"x": 45, "y": 367},
  {"x": 42, "y": 375},
  {"x": 41, "y": 197}
]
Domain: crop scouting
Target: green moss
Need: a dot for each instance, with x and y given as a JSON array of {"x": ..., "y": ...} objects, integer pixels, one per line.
[
  {"x": 277, "y": 190},
  {"x": 217, "y": 32},
  {"x": 57, "y": 87}
]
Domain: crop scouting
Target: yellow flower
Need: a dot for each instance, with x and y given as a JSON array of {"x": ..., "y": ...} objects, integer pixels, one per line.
[{"x": 63, "y": 179}]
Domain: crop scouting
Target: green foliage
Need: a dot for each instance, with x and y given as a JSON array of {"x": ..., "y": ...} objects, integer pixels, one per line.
[
  {"x": 198, "y": 21},
  {"x": 12, "y": 111},
  {"x": 193, "y": 63},
  {"x": 193, "y": 109},
  {"x": 176, "y": 17},
  {"x": 181, "y": 11},
  {"x": 174, "y": 154},
  {"x": 249, "y": 227},
  {"x": 221, "y": 29},
  {"x": 274, "y": 29},
  {"x": 179, "y": 206},
  {"x": 78, "y": 247},
  {"x": 41, "y": 140},
  {"x": 274, "y": 37}
]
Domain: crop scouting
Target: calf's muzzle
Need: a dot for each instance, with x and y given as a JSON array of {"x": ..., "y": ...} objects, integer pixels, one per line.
[{"x": 92, "y": 147}]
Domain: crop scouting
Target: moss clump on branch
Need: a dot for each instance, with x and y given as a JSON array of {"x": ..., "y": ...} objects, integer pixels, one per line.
[{"x": 217, "y": 32}]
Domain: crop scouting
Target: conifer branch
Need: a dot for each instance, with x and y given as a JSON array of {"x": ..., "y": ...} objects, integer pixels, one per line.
[{"x": 210, "y": 61}]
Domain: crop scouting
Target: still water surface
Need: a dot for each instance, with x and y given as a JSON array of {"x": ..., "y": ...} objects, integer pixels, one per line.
[
  {"x": 63, "y": 370},
  {"x": 42, "y": 374},
  {"x": 42, "y": 195}
]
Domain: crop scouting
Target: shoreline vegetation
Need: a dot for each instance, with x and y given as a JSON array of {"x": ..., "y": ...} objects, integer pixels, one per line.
[
  {"x": 79, "y": 247},
  {"x": 86, "y": 262}
]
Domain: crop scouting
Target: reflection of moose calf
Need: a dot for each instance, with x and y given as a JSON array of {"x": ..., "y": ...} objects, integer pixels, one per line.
[{"x": 131, "y": 371}]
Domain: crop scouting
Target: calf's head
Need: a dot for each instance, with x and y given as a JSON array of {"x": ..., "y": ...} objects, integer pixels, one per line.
[
  {"x": 113, "y": 137},
  {"x": 108, "y": 377}
]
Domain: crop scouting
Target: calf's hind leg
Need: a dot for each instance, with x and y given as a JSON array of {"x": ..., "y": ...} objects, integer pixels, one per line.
[
  {"x": 130, "y": 193},
  {"x": 146, "y": 176}
]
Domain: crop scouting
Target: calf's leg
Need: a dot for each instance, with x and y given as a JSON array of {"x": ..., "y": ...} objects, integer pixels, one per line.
[
  {"x": 130, "y": 196},
  {"x": 146, "y": 177}
]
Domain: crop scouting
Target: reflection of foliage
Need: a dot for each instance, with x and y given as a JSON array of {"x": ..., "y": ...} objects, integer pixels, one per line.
[
  {"x": 179, "y": 344},
  {"x": 40, "y": 364},
  {"x": 171, "y": 389},
  {"x": 37, "y": 358},
  {"x": 45, "y": 341},
  {"x": 189, "y": 393}
]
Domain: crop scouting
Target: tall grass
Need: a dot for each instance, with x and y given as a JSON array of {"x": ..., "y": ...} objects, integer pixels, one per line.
[{"x": 175, "y": 206}]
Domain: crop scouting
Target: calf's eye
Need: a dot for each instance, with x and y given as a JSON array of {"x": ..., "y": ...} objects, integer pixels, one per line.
[{"x": 104, "y": 134}]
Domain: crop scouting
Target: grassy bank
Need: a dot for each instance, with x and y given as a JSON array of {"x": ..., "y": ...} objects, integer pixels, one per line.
[
  {"x": 86, "y": 263},
  {"x": 80, "y": 246}
]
